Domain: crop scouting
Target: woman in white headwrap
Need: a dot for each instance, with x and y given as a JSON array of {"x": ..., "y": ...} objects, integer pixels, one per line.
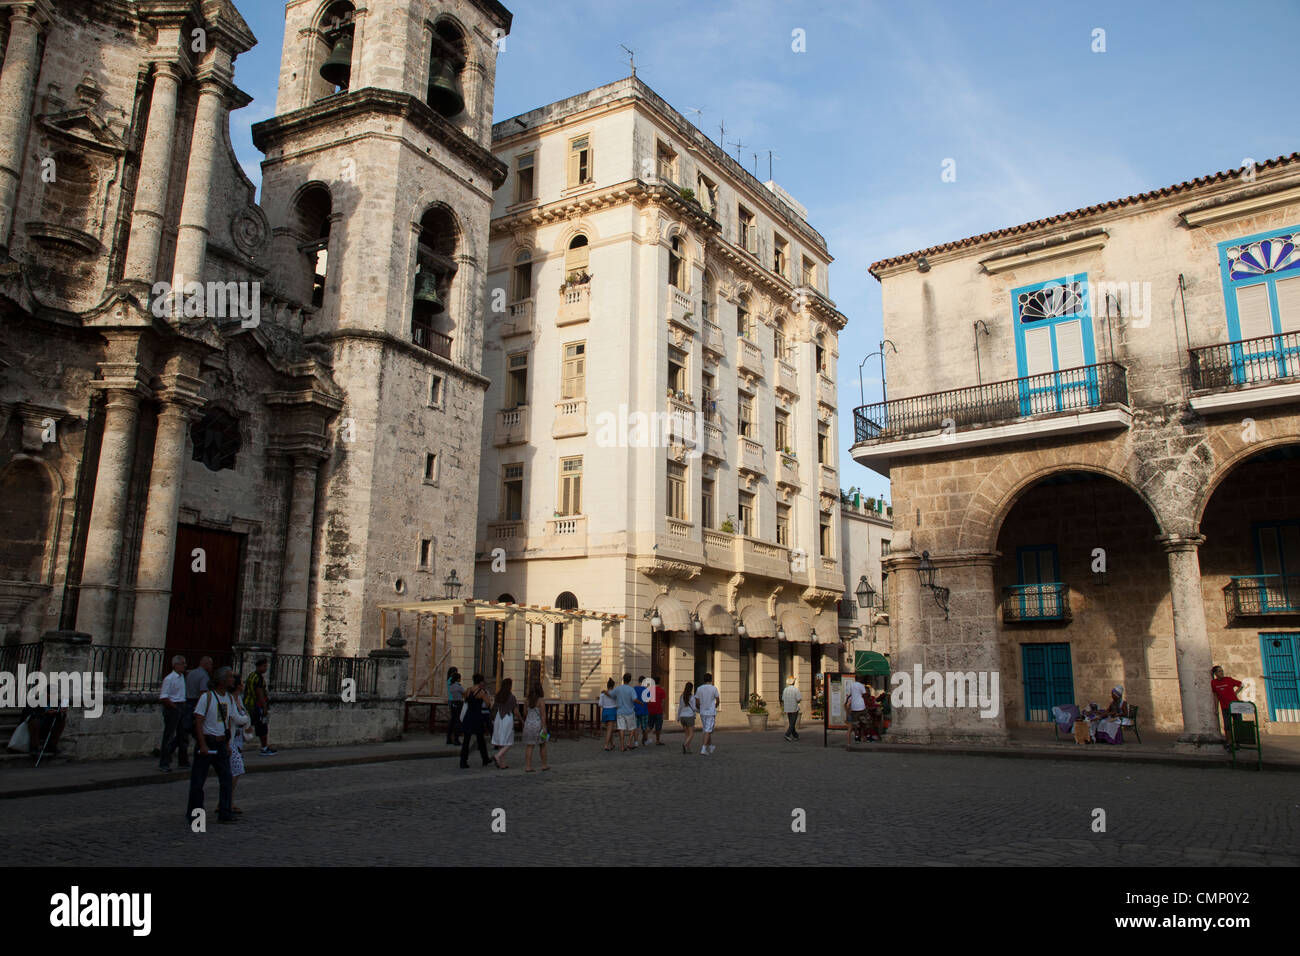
[{"x": 1118, "y": 705}]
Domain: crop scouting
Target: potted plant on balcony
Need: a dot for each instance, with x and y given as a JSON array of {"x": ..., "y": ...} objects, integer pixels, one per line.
[
  {"x": 729, "y": 525},
  {"x": 687, "y": 193},
  {"x": 575, "y": 278},
  {"x": 757, "y": 712}
]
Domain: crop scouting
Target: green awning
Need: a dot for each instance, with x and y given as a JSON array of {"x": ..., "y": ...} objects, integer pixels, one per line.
[{"x": 870, "y": 663}]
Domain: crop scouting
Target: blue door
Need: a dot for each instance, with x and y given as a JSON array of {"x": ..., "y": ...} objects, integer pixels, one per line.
[
  {"x": 1054, "y": 346},
  {"x": 1281, "y": 656},
  {"x": 1049, "y": 678}
]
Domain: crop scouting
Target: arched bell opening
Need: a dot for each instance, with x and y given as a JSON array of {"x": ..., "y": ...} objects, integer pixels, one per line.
[
  {"x": 431, "y": 321},
  {"x": 447, "y": 59},
  {"x": 334, "y": 49}
]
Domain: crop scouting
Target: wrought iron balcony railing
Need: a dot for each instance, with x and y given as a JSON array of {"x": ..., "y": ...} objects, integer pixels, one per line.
[
  {"x": 1075, "y": 389},
  {"x": 1023, "y": 603},
  {"x": 1245, "y": 362},
  {"x": 1259, "y": 595}
]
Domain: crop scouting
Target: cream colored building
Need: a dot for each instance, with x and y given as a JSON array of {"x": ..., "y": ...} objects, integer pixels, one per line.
[
  {"x": 866, "y": 531},
  {"x": 636, "y": 270},
  {"x": 1112, "y": 497}
]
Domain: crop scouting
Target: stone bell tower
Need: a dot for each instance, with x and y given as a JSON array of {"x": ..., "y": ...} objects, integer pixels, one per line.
[{"x": 378, "y": 181}]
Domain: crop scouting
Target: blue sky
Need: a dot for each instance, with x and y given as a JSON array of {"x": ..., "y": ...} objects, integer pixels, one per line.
[{"x": 862, "y": 122}]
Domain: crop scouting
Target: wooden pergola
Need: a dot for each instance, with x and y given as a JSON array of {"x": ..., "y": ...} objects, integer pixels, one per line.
[{"x": 452, "y": 608}]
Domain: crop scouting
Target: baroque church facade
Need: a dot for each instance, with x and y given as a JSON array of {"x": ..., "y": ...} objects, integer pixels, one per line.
[{"x": 224, "y": 421}]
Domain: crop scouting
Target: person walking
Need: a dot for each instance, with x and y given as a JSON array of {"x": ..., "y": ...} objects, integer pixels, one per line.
[
  {"x": 686, "y": 715},
  {"x": 855, "y": 693},
  {"x": 706, "y": 702},
  {"x": 455, "y": 698},
  {"x": 257, "y": 700},
  {"x": 655, "y": 697},
  {"x": 239, "y": 720},
  {"x": 212, "y": 722},
  {"x": 503, "y": 722},
  {"x": 625, "y": 703},
  {"x": 641, "y": 707},
  {"x": 172, "y": 698},
  {"x": 609, "y": 712},
  {"x": 477, "y": 701},
  {"x": 196, "y": 685},
  {"x": 535, "y": 732},
  {"x": 790, "y": 698}
]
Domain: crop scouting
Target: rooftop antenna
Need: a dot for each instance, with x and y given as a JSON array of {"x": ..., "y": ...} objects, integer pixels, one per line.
[
  {"x": 722, "y": 132},
  {"x": 738, "y": 144},
  {"x": 631, "y": 59},
  {"x": 770, "y": 157},
  {"x": 755, "y": 155},
  {"x": 699, "y": 115}
]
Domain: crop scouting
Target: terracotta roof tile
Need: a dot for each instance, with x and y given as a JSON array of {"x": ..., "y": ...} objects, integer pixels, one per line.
[{"x": 1079, "y": 213}]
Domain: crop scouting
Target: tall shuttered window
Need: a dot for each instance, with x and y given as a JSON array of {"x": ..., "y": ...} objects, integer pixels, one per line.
[
  {"x": 677, "y": 491},
  {"x": 1261, "y": 284},
  {"x": 570, "y": 502},
  {"x": 574, "y": 382},
  {"x": 580, "y": 161}
]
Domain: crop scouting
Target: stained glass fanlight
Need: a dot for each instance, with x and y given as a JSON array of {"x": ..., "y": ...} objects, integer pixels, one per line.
[
  {"x": 1275, "y": 254},
  {"x": 1051, "y": 301}
]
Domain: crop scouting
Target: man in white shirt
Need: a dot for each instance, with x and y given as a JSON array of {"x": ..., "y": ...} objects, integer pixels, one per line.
[
  {"x": 213, "y": 716},
  {"x": 172, "y": 698},
  {"x": 706, "y": 705},
  {"x": 855, "y": 696},
  {"x": 790, "y": 698}
]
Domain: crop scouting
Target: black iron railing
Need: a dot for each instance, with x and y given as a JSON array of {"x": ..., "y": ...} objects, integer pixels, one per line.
[
  {"x": 1075, "y": 389},
  {"x": 427, "y": 338},
  {"x": 1245, "y": 362},
  {"x": 142, "y": 669},
  {"x": 1258, "y": 595},
  {"x": 28, "y": 655},
  {"x": 1024, "y": 603},
  {"x": 306, "y": 674}
]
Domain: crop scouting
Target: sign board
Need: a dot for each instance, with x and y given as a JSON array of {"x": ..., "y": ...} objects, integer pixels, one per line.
[{"x": 834, "y": 713}]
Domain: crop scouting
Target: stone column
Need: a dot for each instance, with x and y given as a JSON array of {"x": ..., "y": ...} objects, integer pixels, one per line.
[
  {"x": 1192, "y": 643},
  {"x": 17, "y": 86},
  {"x": 205, "y": 147},
  {"x": 153, "y": 580},
  {"x": 147, "y": 216},
  {"x": 909, "y": 724},
  {"x": 295, "y": 573},
  {"x": 97, "y": 594}
]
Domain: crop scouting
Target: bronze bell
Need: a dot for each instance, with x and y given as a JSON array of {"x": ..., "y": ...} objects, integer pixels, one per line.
[
  {"x": 337, "y": 68},
  {"x": 426, "y": 292},
  {"x": 445, "y": 94}
]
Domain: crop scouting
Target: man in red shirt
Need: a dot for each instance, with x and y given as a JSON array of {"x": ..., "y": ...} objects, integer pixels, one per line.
[
  {"x": 1225, "y": 689},
  {"x": 655, "y": 697}
]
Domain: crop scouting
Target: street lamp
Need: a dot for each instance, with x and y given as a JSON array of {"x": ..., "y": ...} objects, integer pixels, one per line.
[
  {"x": 866, "y": 593},
  {"x": 926, "y": 570},
  {"x": 740, "y": 629},
  {"x": 884, "y": 397},
  {"x": 451, "y": 585},
  {"x": 780, "y": 633},
  {"x": 656, "y": 622}
]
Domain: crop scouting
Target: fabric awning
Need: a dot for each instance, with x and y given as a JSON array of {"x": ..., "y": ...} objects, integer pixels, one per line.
[
  {"x": 757, "y": 623},
  {"x": 797, "y": 630},
  {"x": 870, "y": 663},
  {"x": 714, "y": 620},
  {"x": 674, "y": 615}
]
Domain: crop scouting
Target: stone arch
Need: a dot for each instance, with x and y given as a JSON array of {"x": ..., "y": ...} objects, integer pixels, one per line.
[
  {"x": 30, "y": 492},
  {"x": 1002, "y": 487},
  {"x": 571, "y": 232},
  {"x": 567, "y": 601},
  {"x": 670, "y": 229},
  {"x": 1228, "y": 464}
]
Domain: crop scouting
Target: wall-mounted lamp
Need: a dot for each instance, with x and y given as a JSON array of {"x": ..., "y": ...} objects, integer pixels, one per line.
[
  {"x": 866, "y": 593},
  {"x": 926, "y": 570},
  {"x": 656, "y": 622},
  {"x": 740, "y": 629},
  {"x": 451, "y": 585},
  {"x": 780, "y": 633},
  {"x": 923, "y": 265},
  {"x": 696, "y": 623}
]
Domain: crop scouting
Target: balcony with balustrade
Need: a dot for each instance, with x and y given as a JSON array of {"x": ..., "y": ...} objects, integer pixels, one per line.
[
  {"x": 570, "y": 418},
  {"x": 681, "y": 310},
  {"x": 757, "y": 557},
  {"x": 566, "y": 536},
  {"x": 713, "y": 338},
  {"x": 512, "y": 426},
  {"x": 1248, "y": 373},
  {"x": 719, "y": 549},
  {"x": 788, "y": 474},
  {"x": 519, "y": 319},
  {"x": 749, "y": 357},
  {"x": 714, "y": 444},
  {"x": 828, "y": 482},
  {"x": 826, "y": 393},
  {"x": 1253, "y": 597},
  {"x": 508, "y": 535},
  {"x": 1090, "y": 398},
  {"x": 751, "y": 456},
  {"x": 575, "y": 304},
  {"x": 787, "y": 380},
  {"x": 1045, "y": 603}
]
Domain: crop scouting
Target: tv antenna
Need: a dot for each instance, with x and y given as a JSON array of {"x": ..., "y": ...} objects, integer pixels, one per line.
[
  {"x": 738, "y": 144},
  {"x": 631, "y": 59}
]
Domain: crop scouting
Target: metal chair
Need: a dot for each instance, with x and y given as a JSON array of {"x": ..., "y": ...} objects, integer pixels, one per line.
[{"x": 1133, "y": 716}]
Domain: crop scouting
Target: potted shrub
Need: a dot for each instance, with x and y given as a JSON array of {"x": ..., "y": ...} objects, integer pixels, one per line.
[
  {"x": 728, "y": 526},
  {"x": 687, "y": 193},
  {"x": 757, "y": 712}
]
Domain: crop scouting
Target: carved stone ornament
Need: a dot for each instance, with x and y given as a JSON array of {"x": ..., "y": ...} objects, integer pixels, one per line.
[
  {"x": 659, "y": 568},
  {"x": 250, "y": 231}
]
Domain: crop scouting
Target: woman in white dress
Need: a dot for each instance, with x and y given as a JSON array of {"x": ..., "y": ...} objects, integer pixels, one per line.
[
  {"x": 503, "y": 722},
  {"x": 238, "y": 721}
]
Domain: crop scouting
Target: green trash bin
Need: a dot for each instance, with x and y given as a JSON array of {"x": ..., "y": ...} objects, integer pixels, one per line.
[{"x": 1243, "y": 731}]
